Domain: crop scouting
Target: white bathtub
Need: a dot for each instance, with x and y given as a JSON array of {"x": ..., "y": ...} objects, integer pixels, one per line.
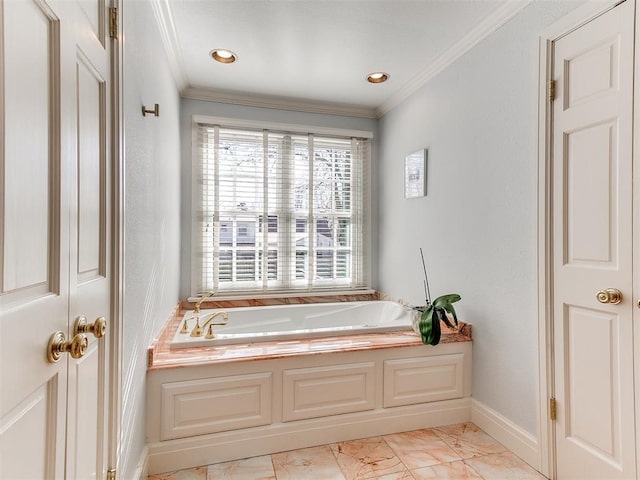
[{"x": 289, "y": 322}]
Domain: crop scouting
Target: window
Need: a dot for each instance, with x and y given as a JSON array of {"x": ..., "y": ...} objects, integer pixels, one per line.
[{"x": 311, "y": 190}]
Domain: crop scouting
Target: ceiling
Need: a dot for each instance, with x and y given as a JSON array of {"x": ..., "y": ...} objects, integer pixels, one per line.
[{"x": 317, "y": 54}]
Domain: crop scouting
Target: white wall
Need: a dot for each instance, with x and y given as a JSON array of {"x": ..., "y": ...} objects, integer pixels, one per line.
[
  {"x": 152, "y": 213},
  {"x": 477, "y": 224},
  {"x": 198, "y": 107}
]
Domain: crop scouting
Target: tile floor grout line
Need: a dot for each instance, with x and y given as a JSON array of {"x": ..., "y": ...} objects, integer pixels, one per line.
[
  {"x": 406, "y": 467},
  {"x": 335, "y": 457},
  {"x": 273, "y": 466}
]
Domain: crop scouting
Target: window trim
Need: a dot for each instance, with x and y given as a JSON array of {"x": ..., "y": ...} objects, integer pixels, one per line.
[
  {"x": 196, "y": 194},
  {"x": 227, "y": 122}
]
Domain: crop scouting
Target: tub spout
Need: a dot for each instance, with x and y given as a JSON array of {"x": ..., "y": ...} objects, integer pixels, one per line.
[{"x": 198, "y": 329}]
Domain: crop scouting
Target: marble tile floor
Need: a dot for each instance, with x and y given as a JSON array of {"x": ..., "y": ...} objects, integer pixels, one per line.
[{"x": 455, "y": 452}]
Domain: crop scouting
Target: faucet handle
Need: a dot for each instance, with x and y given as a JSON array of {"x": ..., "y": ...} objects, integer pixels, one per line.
[
  {"x": 185, "y": 325},
  {"x": 210, "y": 333}
]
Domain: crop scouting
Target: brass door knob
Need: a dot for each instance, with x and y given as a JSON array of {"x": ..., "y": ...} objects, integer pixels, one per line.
[
  {"x": 98, "y": 328},
  {"x": 58, "y": 345},
  {"x": 610, "y": 295}
]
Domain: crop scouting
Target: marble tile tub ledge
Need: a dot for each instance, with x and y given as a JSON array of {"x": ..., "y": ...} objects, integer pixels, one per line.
[{"x": 161, "y": 356}]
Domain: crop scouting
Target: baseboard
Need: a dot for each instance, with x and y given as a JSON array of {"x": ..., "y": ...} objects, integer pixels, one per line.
[
  {"x": 142, "y": 469},
  {"x": 519, "y": 441},
  {"x": 221, "y": 447}
]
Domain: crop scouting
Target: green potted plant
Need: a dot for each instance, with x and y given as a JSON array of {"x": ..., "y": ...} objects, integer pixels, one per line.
[{"x": 435, "y": 311}]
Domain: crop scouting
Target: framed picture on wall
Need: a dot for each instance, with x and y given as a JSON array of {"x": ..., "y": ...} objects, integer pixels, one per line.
[{"x": 415, "y": 174}]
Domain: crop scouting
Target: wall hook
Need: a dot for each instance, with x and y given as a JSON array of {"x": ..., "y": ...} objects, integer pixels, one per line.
[{"x": 155, "y": 111}]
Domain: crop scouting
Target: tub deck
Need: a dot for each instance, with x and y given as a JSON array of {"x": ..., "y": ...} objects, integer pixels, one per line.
[{"x": 161, "y": 356}]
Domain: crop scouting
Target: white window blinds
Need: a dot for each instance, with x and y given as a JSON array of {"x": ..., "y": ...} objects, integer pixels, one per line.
[{"x": 278, "y": 211}]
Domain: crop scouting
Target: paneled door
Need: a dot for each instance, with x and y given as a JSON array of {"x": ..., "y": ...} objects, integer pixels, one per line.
[
  {"x": 54, "y": 231},
  {"x": 592, "y": 248}
]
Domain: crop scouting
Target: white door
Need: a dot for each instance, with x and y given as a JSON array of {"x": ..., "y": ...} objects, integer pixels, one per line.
[
  {"x": 54, "y": 255},
  {"x": 89, "y": 282},
  {"x": 592, "y": 248}
]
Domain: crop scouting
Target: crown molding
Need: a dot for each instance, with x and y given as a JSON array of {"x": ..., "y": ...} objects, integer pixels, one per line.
[
  {"x": 166, "y": 25},
  {"x": 489, "y": 25},
  {"x": 280, "y": 103}
]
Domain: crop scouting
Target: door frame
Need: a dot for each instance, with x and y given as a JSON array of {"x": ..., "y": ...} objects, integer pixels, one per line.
[
  {"x": 116, "y": 269},
  {"x": 565, "y": 25},
  {"x": 635, "y": 228}
]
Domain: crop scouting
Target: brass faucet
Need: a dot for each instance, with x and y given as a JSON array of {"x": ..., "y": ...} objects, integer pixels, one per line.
[
  {"x": 196, "y": 310},
  {"x": 198, "y": 330},
  {"x": 203, "y": 297}
]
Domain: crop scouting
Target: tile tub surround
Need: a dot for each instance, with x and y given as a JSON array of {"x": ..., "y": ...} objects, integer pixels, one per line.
[
  {"x": 160, "y": 355},
  {"x": 212, "y": 302},
  {"x": 469, "y": 453}
]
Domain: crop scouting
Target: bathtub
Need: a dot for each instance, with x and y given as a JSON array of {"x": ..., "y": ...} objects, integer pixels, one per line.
[
  {"x": 225, "y": 402},
  {"x": 290, "y": 322}
]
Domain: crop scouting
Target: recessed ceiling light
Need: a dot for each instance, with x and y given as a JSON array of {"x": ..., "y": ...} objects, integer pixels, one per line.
[
  {"x": 223, "y": 56},
  {"x": 377, "y": 77}
]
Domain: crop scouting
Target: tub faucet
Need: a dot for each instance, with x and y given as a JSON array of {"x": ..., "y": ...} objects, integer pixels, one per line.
[
  {"x": 199, "y": 330},
  {"x": 196, "y": 311},
  {"x": 203, "y": 297}
]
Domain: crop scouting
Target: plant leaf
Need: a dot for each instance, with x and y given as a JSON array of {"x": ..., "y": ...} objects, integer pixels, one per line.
[
  {"x": 445, "y": 299},
  {"x": 436, "y": 331},
  {"x": 430, "y": 326},
  {"x": 449, "y": 308},
  {"x": 442, "y": 312},
  {"x": 427, "y": 312},
  {"x": 426, "y": 324}
]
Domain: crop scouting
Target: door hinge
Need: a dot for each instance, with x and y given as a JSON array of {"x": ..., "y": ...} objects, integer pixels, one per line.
[
  {"x": 113, "y": 22},
  {"x": 553, "y": 412},
  {"x": 551, "y": 90},
  {"x": 111, "y": 474}
]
